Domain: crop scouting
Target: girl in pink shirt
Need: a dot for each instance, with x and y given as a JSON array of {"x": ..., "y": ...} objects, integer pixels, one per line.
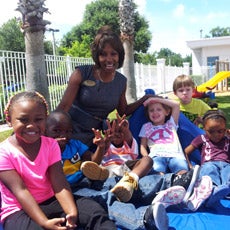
[{"x": 34, "y": 191}]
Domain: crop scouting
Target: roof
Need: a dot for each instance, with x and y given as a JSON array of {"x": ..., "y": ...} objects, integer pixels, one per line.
[{"x": 206, "y": 42}]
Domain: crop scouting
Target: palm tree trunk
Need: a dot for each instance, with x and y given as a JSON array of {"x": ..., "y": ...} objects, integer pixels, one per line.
[
  {"x": 34, "y": 27},
  {"x": 36, "y": 77},
  {"x": 129, "y": 72},
  {"x": 126, "y": 13}
]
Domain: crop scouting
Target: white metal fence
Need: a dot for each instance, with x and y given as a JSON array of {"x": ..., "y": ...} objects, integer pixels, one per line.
[{"x": 59, "y": 68}]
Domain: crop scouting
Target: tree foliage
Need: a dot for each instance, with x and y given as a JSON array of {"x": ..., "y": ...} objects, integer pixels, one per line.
[
  {"x": 171, "y": 58},
  {"x": 219, "y": 32},
  {"x": 11, "y": 37},
  {"x": 78, "y": 49},
  {"x": 105, "y": 12}
]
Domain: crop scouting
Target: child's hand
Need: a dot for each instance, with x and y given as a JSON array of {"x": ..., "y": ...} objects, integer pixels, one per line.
[
  {"x": 107, "y": 138},
  {"x": 98, "y": 139},
  {"x": 152, "y": 100},
  {"x": 71, "y": 221},
  {"x": 55, "y": 223},
  {"x": 198, "y": 121},
  {"x": 190, "y": 166},
  {"x": 123, "y": 123}
]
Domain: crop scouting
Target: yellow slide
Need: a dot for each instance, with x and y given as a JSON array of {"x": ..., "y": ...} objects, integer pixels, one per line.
[{"x": 211, "y": 84}]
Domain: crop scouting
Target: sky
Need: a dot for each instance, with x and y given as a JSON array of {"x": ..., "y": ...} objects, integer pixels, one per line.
[{"x": 171, "y": 22}]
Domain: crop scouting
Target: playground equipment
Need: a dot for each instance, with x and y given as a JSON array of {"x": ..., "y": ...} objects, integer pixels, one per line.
[{"x": 211, "y": 84}]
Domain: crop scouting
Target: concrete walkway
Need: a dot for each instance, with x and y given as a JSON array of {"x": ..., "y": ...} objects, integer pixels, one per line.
[{"x": 4, "y": 127}]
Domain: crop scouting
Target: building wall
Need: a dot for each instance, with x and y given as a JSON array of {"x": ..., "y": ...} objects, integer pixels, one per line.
[{"x": 208, "y": 47}]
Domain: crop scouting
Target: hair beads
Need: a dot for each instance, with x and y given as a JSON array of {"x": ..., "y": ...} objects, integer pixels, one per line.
[{"x": 27, "y": 95}]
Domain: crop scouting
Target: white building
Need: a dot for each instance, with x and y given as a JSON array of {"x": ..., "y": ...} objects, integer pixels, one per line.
[{"x": 206, "y": 51}]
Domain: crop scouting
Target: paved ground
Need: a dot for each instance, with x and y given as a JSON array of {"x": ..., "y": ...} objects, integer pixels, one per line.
[{"x": 4, "y": 127}]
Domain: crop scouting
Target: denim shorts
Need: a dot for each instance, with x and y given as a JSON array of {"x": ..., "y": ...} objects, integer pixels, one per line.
[{"x": 169, "y": 164}]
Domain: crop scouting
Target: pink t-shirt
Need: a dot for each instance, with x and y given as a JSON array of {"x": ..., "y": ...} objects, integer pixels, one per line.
[
  {"x": 33, "y": 173},
  {"x": 163, "y": 140}
]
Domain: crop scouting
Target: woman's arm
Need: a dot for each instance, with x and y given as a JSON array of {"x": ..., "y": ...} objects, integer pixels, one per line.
[
  {"x": 128, "y": 109},
  {"x": 63, "y": 192},
  {"x": 71, "y": 91},
  {"x": 14, "y": 183}
]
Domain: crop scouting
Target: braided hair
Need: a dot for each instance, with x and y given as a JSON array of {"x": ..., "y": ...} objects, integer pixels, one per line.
[
  {"x": 27, "y": 95},
  {"x": 214, "y": 114}
]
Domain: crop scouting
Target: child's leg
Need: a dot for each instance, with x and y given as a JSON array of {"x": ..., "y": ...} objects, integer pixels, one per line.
[
  {"x": 160, "y": 165},
  {"x": 93, "y": 171},
  {"x": 125, "y": 215},
  {"x": 91, "y": 215},
  {"x": 123, "y": 190},
  {"x": 225, "y": 173},
  {"x": 218, "y": 193},
  {"x": 211, "y": 169},
  {"x": 201, "y": 192},
  {"x": 178, "y": 165},
  {"x": 142, "y": 167},
  {"x": 20, "y": 221}
]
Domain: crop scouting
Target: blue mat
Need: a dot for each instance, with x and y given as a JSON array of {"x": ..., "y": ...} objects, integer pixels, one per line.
[{"x": 201, "y": 220}]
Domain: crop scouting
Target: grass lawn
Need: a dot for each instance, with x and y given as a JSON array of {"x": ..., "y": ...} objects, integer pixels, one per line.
[
  {"x": 5, "y": 134},
  {"x": 223, "y": 104}
]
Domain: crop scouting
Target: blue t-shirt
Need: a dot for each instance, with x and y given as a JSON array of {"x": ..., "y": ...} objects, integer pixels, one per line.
[{"x": 72, "y": 159}]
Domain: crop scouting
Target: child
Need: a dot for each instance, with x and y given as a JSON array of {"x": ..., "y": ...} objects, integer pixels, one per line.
[
  {"x": 215, "y": 154},
  {"x": 74, "y": 152},
  {"x": 128, "y": 215},
  {"x": 193, "y": 108},
  {"x": 59, "y": 126},
  {"x": 159, "y": 138},
  {"x": 120, "y": 160},
  {"x": 34, "y": 191}
]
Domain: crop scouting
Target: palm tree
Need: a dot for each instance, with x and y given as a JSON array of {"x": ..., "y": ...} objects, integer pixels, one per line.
[
  {"x": 33, "y": 27},
  {"x": 126, "y": 14}
]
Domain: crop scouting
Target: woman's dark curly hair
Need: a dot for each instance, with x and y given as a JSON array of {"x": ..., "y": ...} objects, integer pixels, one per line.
[{"x": 106, "y": 36}]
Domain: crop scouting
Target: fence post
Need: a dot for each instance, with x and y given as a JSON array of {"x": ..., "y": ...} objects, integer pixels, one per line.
[
  {"x": 161, "y": 74},
  {"x": 68, "y": 65},
  {"x": 186, "y": 68}
]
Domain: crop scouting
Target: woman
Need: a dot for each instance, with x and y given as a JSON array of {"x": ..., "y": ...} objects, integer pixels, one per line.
[{"x": 96, "y": 90}]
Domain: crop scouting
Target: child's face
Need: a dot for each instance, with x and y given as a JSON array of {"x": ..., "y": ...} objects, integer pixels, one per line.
[
  {"x": 184, "y": 94},
  {"x": 118, "y": 137},
  {"x": 28, "y": 120},
  {"x": 215, "y": 129},
  {"x": 61, "y": 130},
  {"x": 157, "y": 113}
]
